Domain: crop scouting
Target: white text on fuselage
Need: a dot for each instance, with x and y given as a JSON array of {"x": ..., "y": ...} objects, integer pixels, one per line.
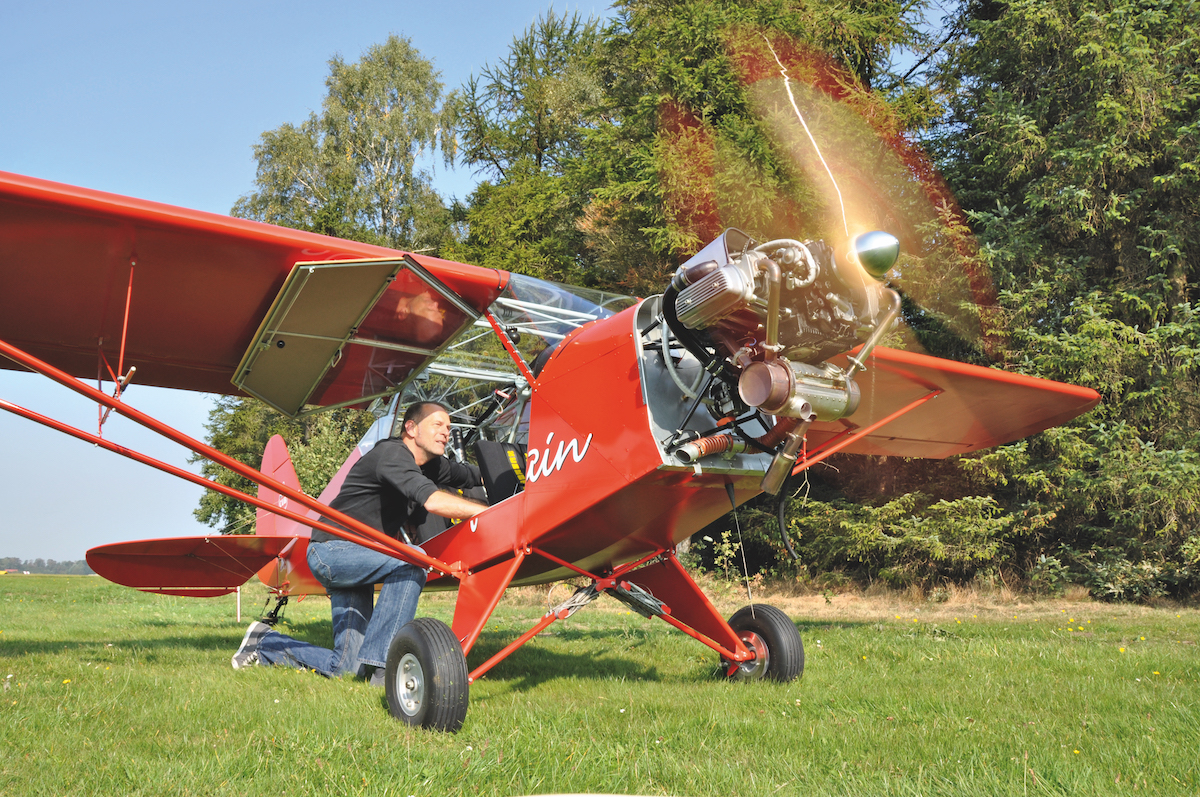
[{"x": 541, "y": 464}]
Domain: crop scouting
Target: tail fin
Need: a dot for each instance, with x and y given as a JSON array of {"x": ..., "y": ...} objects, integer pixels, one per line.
[
  {"x": 289, "y": 573},
  {"x": 277, "y": 463}
]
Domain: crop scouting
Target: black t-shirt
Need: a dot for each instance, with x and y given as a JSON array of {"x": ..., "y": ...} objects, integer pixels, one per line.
[{"x": 387, "y": 491}]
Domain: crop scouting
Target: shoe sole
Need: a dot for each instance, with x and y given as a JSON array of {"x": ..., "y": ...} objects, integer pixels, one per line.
[{"x": 242, "y": 647}]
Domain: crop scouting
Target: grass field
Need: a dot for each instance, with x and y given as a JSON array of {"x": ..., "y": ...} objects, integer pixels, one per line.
[{"x": 110, "y": 691}]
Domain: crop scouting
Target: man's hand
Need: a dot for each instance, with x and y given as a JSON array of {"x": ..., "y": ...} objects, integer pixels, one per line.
[{"x": 453, "y": 506}]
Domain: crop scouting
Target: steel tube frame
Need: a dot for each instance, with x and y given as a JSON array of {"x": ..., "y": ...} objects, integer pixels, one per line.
[
  {"x": 696, "y": 635},
  {"x": 186, "y": 475},
  {"x": 501, "y": 655},
  {"x": 602, "y": 583}
]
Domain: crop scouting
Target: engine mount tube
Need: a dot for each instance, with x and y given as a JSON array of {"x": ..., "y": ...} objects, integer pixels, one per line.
[{"x": 771, "y": 346}]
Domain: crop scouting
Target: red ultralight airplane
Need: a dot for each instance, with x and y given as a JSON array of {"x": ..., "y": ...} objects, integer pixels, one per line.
[{"x": 609, "y": 429}]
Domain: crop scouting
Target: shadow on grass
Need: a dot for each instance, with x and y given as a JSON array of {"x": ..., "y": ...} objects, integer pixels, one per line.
[
  {"x": 534, "y": 664},
  {"x": 317, "y": 633},
  {"x": 203, "y": 643},
  {"x": 524, "y": 669}
]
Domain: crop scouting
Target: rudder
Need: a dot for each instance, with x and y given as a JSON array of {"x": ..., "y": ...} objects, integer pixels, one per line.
[{"x": 277, "y": 463}]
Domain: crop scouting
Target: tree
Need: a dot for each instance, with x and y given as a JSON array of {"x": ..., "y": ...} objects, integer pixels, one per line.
[
  {"x": 521, "y": 122},
  {"x": 685, "y": 147},
  {"x": 533, "y": 105},
  {"x": 1070, "y": 140},
  {"x": 351, "y": 171},
  {"x": 1074, "y": 142}
]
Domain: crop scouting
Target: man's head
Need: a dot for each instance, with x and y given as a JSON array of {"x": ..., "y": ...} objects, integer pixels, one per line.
[{"x": 426, "y": 430}]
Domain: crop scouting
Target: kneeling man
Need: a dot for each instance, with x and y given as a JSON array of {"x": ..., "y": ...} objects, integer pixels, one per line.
[{"x": 391, "y": 488}]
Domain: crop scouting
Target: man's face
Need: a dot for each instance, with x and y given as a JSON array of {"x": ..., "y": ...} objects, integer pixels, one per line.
[{"x": 429, "y": 437}]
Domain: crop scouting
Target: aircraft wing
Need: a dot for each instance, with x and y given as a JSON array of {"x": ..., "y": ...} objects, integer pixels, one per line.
[
  {"x": 213, "y": 299},
  {"x": 977, "y": 408},
  {"x": 196, "y": 566}
]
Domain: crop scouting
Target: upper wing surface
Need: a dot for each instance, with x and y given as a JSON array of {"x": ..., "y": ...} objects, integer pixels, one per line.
[
  {"x": 977, "y": 408},
  {"x": 199, "y": 285}
]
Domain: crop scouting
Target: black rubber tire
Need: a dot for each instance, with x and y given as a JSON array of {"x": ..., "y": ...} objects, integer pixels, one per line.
[
  {"x": 426, "y": 677},
  {"x": 785, "y": 650}
]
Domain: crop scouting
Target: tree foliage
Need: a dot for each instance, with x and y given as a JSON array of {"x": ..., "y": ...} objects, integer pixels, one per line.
[
  {"x": 521, "y": 123},
  {"x": 532, "y": 106},
  {"x": 1074, "y": 139},
  {"x": 1070, "y": 139},
  {"x": 48, "y": 566},
  {"x": 352, "y": 170}
]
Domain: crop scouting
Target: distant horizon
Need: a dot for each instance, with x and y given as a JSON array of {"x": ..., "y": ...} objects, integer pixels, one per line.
[{"x": 48, "y": 567}]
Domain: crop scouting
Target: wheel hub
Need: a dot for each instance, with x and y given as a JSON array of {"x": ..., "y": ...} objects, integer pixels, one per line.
[
  {"x": 755, "y": 668},
  {"x": 410, "y": 684}
]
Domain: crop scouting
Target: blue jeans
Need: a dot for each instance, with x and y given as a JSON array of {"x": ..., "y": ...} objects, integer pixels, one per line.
[{"x": 362, "y": 633}]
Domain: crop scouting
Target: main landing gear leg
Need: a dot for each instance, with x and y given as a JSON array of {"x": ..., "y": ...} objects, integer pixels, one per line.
[{"x": 764, "y": 630}]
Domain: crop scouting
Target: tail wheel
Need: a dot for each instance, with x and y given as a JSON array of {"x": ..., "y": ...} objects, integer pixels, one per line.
[
  {"x": 426, "y": 676},
  {"x": 773, "y": 639}
]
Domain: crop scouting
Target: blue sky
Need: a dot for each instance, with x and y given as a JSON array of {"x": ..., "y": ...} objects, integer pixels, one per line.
[{"x": 164, "y": 101}]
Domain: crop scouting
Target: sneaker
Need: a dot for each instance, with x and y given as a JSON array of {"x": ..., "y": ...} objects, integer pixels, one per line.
[
  {"x": 379, "y": 677},
  {"x": 247, "y": 653}
]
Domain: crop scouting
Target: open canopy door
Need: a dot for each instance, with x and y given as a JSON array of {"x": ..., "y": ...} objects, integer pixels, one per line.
[{"x": 336, "y": 335}]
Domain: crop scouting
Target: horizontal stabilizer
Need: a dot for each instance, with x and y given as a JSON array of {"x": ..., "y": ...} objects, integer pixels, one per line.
[{"x": 195, "y": 566}]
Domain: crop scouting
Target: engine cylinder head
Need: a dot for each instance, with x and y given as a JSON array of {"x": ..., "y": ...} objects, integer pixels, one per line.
[{"x": 713, "y": 297}]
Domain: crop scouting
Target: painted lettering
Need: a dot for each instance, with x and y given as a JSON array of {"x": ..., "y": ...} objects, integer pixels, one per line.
[{"x": 542, "y": 463}]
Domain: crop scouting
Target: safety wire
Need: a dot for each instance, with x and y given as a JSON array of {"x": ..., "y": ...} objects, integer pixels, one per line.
[
  {"x": 741, "y": 547},
  {"x": 237, "y": 569},
  {"x": 785, "y": 495},
  {"x": 232, "y": 528}
]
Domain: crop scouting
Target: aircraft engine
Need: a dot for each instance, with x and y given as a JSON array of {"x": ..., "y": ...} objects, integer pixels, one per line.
[{"x": 765, "y": 319}]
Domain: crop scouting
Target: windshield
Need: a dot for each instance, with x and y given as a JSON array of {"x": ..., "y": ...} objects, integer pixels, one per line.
[{"x": 475, "y": 376}]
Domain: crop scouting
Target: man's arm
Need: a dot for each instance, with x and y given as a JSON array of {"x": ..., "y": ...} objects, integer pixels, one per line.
[
  {"x": 453, "y": 506},
  {"x": 455, "y": 475}
]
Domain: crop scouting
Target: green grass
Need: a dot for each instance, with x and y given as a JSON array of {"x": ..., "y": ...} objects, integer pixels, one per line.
[{"x": 117, "y": 692}]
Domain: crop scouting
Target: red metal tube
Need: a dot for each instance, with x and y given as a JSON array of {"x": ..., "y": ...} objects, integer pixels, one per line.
[
  {"x": 479, "y": 671},
  {"x": 832, "y": 447},
  {"x": 187, "y": 475},
  {"x": 507, "y": 343},
  {"x": 696, "y": 635},
  {"x": 562, "y": 562}
]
